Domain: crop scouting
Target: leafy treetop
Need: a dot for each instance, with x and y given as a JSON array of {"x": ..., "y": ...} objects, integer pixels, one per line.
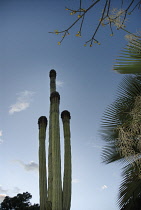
[{"x": 20, "y": 201}]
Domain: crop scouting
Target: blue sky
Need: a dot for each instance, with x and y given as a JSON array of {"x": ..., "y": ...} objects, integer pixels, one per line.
[{"x": 86, "y": 84}]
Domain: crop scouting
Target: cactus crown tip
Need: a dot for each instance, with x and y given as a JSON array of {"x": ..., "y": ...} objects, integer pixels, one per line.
[
  {"x": 43, "y": 120},
  {"x": 55, "y": 94},
  {"x": 52, "y": 73},
  {"x": 65, "y": 113}
]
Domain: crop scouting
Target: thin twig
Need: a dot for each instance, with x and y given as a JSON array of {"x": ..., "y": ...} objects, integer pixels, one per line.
[
  {"x": 101, "y": 19},
  {"x": 105, "y": 17},
  {"x": 78, "y": 18}
]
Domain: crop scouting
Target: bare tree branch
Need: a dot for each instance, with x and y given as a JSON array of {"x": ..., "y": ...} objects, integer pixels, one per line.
[{"x": 110, "y": 16}]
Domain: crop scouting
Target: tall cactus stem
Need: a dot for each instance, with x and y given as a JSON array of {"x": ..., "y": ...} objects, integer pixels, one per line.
[
  {"x": 56, "y": 154},
  {"x": 65, "y": 115},
  {"x": 42, "y": 122},
  {"x": 52, "y": 76}
]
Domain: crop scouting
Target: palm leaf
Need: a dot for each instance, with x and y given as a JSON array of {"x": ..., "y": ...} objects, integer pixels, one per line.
[
  {"x": 117, "y": 114},
  {"x": 129, "y": 62},
  {"x": 130, "y": 189}
]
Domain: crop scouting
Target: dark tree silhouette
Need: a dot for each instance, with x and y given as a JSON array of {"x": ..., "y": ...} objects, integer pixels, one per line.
[{"x": 20, "y": 201}]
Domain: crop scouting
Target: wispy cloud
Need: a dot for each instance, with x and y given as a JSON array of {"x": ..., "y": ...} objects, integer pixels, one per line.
[
  {"x": 23, "y": 102},
  {"x": 93, "y": 143},
  {"x": 104, "y": 187},
  {"x": 2, "y": 196},
  {"x": 75, "y": 181},
  {"x": 59, "y": 83},
  {"x": 16, "y": 190},
  {"x": 96, "y": 146},
  {"x": 0, "y": 133},
  {"x": 31, "y": 166},
  {"x": 4, "y": 192},
  {"x": 1, "y": 140}
]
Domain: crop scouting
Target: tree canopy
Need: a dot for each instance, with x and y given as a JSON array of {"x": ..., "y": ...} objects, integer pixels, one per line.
[{"x": 20, "y": 201}]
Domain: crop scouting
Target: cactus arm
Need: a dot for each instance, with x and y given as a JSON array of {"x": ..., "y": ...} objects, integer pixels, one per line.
[
  {"x": 65, "y": 115},
  {"x": 50, "y": 175},
  {"x": 42, "y": 162}
]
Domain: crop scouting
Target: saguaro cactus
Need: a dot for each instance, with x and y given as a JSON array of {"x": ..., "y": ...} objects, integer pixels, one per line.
[
  {"x": 65, "y": 115},
  {"x": 55, "y": 199},
  {"x": 52, "y": 76},
  {"x": 56, "y": 155},
  {"x": 42, "y": 122}
]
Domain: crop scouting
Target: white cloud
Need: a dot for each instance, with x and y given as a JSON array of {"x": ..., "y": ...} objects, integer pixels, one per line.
[
  {"x": 1, "y": 140},
  {"x": 0, "y": 132},
  {"x": 32, "y": 166},
  {"x": 104, "y": 187},
  {"x": 75, "y": 181},
  {"x": 59, "y": 83},
  {"x": 22, "y": 103}
]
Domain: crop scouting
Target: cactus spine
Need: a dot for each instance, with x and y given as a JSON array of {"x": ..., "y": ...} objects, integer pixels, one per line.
[
  {"x": 65, "y": 115},
  {"x": 42, "y": 122},
  {"x": 55, "y": 199}
]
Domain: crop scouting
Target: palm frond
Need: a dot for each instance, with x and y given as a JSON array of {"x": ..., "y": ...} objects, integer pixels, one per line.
[
  {"x": 130, "y": 189},
  {"x": 117, "y": 115},
  {"x": 129, "y": 62}
]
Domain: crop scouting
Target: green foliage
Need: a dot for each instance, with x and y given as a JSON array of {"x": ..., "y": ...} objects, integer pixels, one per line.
[
  {"x": 129, "y": 62},
  {"x": 130, "y": 189},
  {"x": 21, "y": 202},
  {"x": 118, "y": 114},
  {"x": 124, "y": 114}
]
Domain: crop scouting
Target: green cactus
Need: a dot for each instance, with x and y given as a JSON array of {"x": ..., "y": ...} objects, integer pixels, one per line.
[
  {"x": 65, "y": 115},
  {"x": 56, "y": 154},
  {"x": 42, "y": 122},
  {"x": 55, "y": 199},
  {"x": 52, "y": 75}
]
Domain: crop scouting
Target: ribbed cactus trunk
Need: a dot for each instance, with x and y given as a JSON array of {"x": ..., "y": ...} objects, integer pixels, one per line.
[
  {"x": 65, "y": 115},
  {"x": 52, "y": 75},
  {"x": 55, "y": 199},
  {"x": 56, "y": 154},
  {"x": 42, "y": 122}
]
